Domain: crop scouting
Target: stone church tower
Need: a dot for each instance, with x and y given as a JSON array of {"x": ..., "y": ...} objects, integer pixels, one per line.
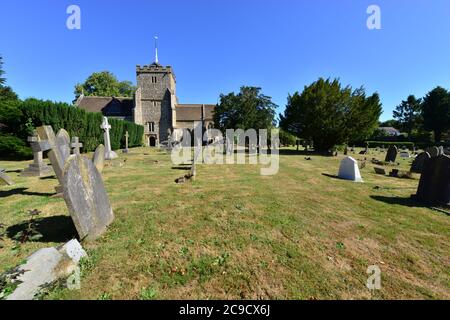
[{"x": 155, "y": 102}]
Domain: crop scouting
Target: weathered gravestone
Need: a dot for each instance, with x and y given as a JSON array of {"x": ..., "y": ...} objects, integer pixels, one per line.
[
  {"x": 58, "y": 148},
  {"x": 5, "y": 179},
  {"x": 86, "y": 197},
  {"x": 433, "y": 151},
  {"x": 391, "y": 154},
  {"x": 109, "y": 154},
  {"x": 417, "y": 165},
  {"x": 434, "y": 185},
  {"x": 76, "y": 145},
  {"x": 99, "y": 158},
  {"x": 44, "y": 267},
  {"x": 349, "y": 170},
  {"x": 38, "y": 168}
]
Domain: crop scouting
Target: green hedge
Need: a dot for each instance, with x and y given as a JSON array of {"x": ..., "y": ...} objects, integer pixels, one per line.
[
  {"x": 375, "y": 144},
  {"x": 78, "y": 122},
  {"x": 14, "y": 148}
]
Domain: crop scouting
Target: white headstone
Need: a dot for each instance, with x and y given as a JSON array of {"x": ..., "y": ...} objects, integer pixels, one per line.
[
  {"x": 349, "y": 170},
  {"x": 109, "y": 154}
]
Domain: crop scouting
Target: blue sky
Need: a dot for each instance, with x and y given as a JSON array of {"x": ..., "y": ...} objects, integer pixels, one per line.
[{"x": 217, "y": 46}]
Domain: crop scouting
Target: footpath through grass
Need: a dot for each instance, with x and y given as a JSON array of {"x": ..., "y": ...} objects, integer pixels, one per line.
[{"x": 234, "y": 234}]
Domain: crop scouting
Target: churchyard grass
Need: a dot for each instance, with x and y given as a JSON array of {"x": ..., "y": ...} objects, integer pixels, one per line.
[{"x": 234, "y": 234}]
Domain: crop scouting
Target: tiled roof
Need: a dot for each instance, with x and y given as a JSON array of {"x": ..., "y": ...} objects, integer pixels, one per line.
[
  {"x": 109, "y": 106},
  {"x": 193, "y": 112}
]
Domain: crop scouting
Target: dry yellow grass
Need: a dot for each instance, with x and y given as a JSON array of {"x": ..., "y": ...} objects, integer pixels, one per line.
[{"x": 233, "y": 234}]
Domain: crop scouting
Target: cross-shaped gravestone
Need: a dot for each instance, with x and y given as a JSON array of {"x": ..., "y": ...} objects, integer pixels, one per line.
[
  {"x": 4, "y": 179},
  {"x": 109, "y": 154},
  {"x": 76, "y": 145},
  {"x": 126, "y": 141},
  {"x": 38, "y": 167}
]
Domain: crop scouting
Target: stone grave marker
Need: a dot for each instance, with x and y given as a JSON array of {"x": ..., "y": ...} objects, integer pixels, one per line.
[
  {"x": 417, "y": 165},
  {"x": 38, "y": 168},
  {"x": 109, "y": 154},
  {"x": 63, "y": 144},
  {"x": 391, "y": 154},
  {"x": 5, "y": 179},
  {"x": 47, "y": 141},
  {"x": 76, "y": 145},
  {"x": 86, "y": 197},
  {"x": 349, "y": 170},
  {"x": 99, "y": 158},
  {"x": 433, "y": 151},
  {"x": 434, "y": 185},
  {"x": 405, "y": 154}
]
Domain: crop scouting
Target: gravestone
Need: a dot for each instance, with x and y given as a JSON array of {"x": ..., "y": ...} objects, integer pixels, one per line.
[
  {"x": 38, "y": 168},
  {"x": 109, "y": 154},
  {"x": 349, "y": 170},
  {"x": 405, "y": 154},
  {"x": 391, "y": 154},
  {"x": 99, "y": 158},
  {"x": 434, "y": 185},
  {"x": 47, "y": 141},
  {"x": 441, "y": 150},
  {"x": 5, "y": 179},
  {"x": 86, "y": 198},
  {"x": 76, "y": 145},
  {"x": 45, "y": 267},
  {"x": 63, "y": 144},
  {"x": 379, "y": 170},
  {"x": 433, "y": 151},
  {"x": 417, "y": 165}
]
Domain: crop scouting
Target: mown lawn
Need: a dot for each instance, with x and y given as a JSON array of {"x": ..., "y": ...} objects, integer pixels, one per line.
[{"x": 234, "y": 234}]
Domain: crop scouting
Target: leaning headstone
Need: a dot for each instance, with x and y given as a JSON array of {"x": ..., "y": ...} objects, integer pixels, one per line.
[
  {"x": 38, "y": 168},
  {"x": 441, "y": 150},
  {"x": 76, "y": 145},
  {"x": 44, "y": 267},
  {"x": 417, "y": 165},
  {"x": 434, "y": 185},
  {"x": 86, "y": 197},
  {"x": 433, "y": 151},
  {"x": 63, "y": 144},
  {"x": 47, "y": 141},
  {"x": 109, "y": 154},
  {"x": 349, "y": 170},
  {"x": 391, "y": 154},
  {"x": 99, "y": 158},
  {"x": 5, "y": 179}
]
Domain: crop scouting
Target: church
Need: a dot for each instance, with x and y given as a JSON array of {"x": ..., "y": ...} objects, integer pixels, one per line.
[{"x": 154, "y": 105}]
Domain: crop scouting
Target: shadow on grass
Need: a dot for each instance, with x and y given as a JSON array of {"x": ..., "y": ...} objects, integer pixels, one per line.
[
  {"x": 407, "y": 202},
  {"x": 22, "y": 191},
  {"x": 182, "y": 168},
  {"x": 48, "y": 177},
  {"x": 53, "y": 229},
  {"x": 331, "y": 176},
  {"x": 13, "y": 171}
]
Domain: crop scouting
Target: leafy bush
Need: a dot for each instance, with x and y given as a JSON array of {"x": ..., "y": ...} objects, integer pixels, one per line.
[{"x": 14, "y": 148}]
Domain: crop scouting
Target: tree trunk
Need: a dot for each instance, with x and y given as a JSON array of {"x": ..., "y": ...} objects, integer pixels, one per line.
[{"x": 437, "y": 136}]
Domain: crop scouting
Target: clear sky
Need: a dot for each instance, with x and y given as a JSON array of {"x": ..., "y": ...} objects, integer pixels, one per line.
[{"x": 217, "y": 46}]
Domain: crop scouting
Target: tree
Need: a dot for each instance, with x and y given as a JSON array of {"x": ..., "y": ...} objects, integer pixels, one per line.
[
  {"x": 408, "y": 114},
  {"x": 329, "y": 114},
  {"x": 249, "y": 109},
  {"x": 2, "y": 72},
  {"x": 436, "y": 112},
  {"x": 390, "y": 123},
  {"x": 104, "y": 84}
]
